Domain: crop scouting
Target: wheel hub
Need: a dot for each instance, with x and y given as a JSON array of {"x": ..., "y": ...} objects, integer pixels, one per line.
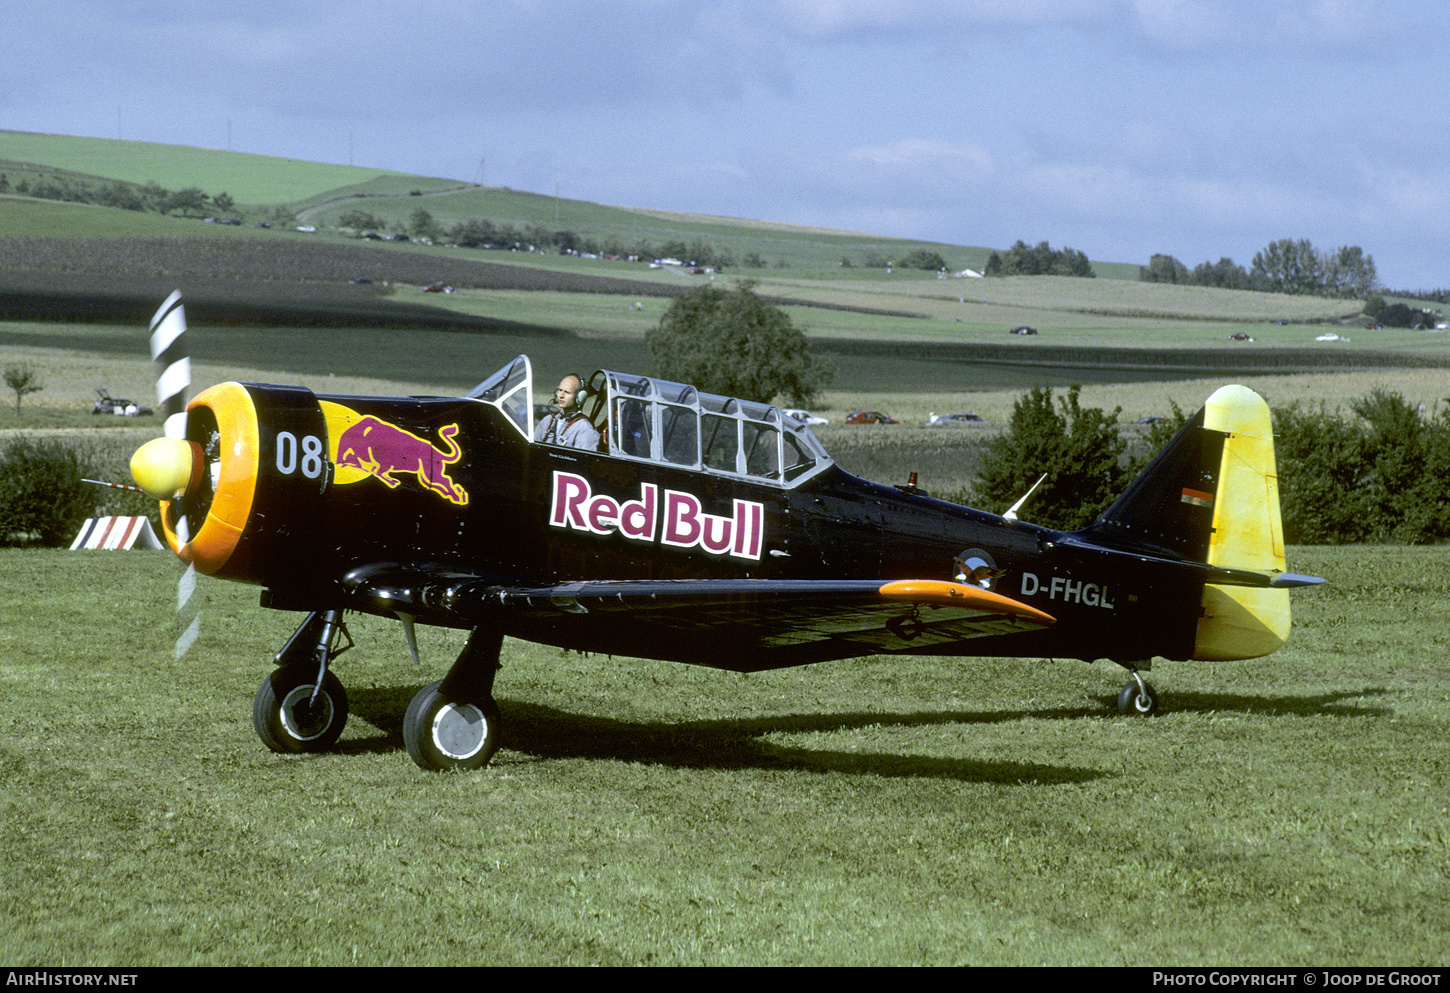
[
  {"x": 303, "y": 717},
  {"x": 460, "y": 730}
]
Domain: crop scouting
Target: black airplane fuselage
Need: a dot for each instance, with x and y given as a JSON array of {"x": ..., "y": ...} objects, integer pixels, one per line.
[{"x": 525, "y": 513}]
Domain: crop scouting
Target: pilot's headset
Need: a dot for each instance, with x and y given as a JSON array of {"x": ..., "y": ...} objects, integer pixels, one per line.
[{"x": 583, "y": 393}]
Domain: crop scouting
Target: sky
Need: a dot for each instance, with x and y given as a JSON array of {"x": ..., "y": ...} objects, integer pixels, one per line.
[{"x": 1201, "y": 129}]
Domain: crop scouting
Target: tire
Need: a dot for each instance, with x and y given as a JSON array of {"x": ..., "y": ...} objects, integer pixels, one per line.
[
  {"x": 1133, "y": 701},
  {"x": 285, "y": 720},
  {"x": 450, "y": 734}
]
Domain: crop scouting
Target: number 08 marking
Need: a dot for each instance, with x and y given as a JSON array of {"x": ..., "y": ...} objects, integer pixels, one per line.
[{"x": 287, "y": 452}]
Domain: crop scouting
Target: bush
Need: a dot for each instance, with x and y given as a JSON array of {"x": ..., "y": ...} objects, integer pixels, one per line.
[
  {"x": 1377, "y": 478},
  {"x": 42, "y": 497},
  {"x": 1078, "y": 449},
  {"x": 923, "y": 259}
]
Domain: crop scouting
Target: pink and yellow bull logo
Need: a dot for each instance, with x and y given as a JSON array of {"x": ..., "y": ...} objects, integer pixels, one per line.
[{"x": 367, "y": 446}]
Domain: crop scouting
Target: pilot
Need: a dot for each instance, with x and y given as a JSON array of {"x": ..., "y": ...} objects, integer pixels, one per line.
[
  {"x": 976, "y": 568},
  {"x": 568, "y": 426}
]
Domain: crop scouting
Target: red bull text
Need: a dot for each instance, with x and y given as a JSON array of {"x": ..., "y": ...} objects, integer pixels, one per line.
[{"x": 674, "y": 518}]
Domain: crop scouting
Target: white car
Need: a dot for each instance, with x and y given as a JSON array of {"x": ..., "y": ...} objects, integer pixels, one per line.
[{"x": 806, "y": 417}]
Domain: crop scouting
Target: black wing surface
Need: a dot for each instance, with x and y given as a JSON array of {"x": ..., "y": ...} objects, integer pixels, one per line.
[{"x": 743, "y": 624}]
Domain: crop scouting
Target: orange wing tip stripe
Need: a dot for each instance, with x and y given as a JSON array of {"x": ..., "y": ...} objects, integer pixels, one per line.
[
  {"x": 1197, "y": 497},
  {"x": 938, "y": 593}
]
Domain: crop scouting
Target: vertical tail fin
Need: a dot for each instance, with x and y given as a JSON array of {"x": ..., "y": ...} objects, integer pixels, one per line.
[
  {"x": 1248, "y": 533},
  {"x": 1212, "y": 495}
]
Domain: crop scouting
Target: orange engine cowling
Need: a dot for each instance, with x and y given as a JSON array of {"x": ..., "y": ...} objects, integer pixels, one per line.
[{"x": 222, "y": 426}]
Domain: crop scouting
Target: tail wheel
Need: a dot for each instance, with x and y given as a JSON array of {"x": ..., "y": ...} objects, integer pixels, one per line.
[
  {"x": 290, "y": 718},
  {"x": 1137, "y": 698},
  {"x": 442, "y": 733}
]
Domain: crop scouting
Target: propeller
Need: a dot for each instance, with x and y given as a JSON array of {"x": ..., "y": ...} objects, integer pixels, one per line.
[{"x": 168, "y": 467}]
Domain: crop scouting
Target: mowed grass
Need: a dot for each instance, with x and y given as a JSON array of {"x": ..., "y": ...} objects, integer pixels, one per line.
[{"x": 1286, "y": 811}]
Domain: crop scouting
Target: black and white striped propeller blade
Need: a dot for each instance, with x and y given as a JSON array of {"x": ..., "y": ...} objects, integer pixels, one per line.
[{"x": 173, "y": 383}]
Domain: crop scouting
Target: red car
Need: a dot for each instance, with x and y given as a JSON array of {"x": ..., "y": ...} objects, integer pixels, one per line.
[{"x": 870, "y": 417}]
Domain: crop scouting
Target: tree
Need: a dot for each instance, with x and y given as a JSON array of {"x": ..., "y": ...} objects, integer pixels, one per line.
[
  {"x": 422, "y": 225},
  {"x": 1350, "y": 273},
  {"x": 733, "y": 343},
  {"x": 1223, "y": 274},
  {"x": 188, "y": 201},
  {"x": 1163, "y": 269},
  {"x": 22, "y": 378},
  {"x": 1288, "y": 266},
  {"x": 1078, "y": 449}
]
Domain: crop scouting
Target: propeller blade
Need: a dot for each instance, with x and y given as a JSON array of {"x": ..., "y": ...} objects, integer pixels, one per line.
[
  {"x": 173, "y": 383},
  {"x": 168, "y": 349}
]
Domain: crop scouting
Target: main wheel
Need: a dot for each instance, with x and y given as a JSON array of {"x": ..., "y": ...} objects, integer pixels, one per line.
[
  {"x": 450, "y": 734},
  {"x": 1133, "y": 699},
  {"x": 289, "y": 720}
]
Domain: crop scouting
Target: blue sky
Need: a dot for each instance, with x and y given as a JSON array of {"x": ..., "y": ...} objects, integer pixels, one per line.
[{"x": 1121, "y": 128}]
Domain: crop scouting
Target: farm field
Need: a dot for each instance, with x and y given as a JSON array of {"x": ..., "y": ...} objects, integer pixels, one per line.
[{"x": 887, "y": 811}]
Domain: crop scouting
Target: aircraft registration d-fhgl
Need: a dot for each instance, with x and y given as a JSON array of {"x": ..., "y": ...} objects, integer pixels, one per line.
[{"x": 704, "y": 530}]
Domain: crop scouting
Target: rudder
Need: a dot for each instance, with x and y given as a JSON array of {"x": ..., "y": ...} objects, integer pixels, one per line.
[
  {"x": 1248, "y": 533},
  {"x": 1212, "y": 496}
]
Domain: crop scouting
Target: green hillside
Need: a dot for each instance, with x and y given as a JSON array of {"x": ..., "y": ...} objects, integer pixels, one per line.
[
  {"x": 249, "y": 179},
  {"x": 322, "y": 194}
]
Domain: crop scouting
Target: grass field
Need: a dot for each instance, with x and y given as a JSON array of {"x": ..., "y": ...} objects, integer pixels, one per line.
[{"x": 1287, "y": 811}]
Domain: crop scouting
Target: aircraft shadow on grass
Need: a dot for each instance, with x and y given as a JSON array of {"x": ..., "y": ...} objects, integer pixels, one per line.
[{"x": 546, "y": 733}]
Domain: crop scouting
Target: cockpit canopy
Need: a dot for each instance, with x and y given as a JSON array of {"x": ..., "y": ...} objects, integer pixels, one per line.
[{"x": 653, "y": 420}]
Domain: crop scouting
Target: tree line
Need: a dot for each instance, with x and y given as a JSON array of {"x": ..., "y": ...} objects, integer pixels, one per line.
[
  {"x": 1039, "y": 260},
  {"x": 149, "y": 197},
  {"x": 1374, "y": 474},
  {"x": 1284, "y": 266}
]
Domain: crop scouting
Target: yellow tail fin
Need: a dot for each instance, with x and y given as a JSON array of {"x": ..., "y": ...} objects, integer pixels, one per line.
[{"x": 1241, "y": 622}]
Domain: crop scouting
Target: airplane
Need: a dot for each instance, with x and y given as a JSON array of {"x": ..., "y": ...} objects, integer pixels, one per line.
[{"x": 705, "y": 529}]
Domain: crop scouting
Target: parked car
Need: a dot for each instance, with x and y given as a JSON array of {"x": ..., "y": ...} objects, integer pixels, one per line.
[
  {"x": 870, "y": 417},
  {"x": 107, "y": 404},
  {"x": 806, "y": 417},
  {"x": 945, "y": 420}
]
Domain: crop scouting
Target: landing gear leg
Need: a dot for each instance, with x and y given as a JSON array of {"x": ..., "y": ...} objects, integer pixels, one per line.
[
  {"x": 454, "y": 723},
  {"x": 1138, "y": 696},
  {"x": 301, "y": 706}
]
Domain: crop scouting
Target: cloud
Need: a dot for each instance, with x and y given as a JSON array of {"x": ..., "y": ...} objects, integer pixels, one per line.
[
  {"x": 1258, "y": 25},
  {"x": 835, "y": 19}
]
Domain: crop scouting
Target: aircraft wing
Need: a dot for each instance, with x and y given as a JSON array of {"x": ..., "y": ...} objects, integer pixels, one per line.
[{"x": 800, "y": 619}]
